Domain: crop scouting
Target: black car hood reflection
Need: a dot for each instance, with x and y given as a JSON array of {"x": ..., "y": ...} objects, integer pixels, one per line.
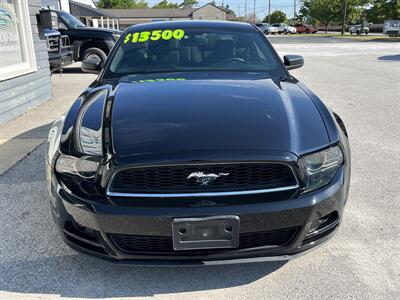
[{"x": 160, "y": 114}]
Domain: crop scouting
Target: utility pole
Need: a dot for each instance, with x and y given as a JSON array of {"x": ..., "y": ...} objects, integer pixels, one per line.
[
  {"x": 245, "y": 11},
  {"x": 254, "y": 12},
  {"x": 269, "y": 11},
  {"x": 294, "y": 10},
  {"x": 344, "y": 16}
]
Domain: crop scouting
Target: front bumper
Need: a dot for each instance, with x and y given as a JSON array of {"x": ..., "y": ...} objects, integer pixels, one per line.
[{"x": 88, "y": 226}]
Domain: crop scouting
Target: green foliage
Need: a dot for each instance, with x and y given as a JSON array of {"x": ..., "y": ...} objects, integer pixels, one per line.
[
  {"x": 324, "y": 12},
  {"x": 166, "y": 4},
  {"x": 122, "y": 4},
  {"x": 189, "y": 3},
  {"x": 277, "y": 16},
  {"x": 382, "y": 10}
]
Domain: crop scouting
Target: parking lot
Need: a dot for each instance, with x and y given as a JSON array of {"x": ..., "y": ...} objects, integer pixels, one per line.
[{"x": 359, "y": 81}]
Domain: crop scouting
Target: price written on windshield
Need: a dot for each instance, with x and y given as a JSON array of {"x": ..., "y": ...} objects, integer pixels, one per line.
[{"x": 155, "y": 35}]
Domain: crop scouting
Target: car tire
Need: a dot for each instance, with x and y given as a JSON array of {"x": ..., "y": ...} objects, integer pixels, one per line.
[
  {"x": 266, "y": 32},
  {"x": 95, "y": 54},
  {"x": 358, "y": 32},
  {"x": 366, "y": 33},
  {"x": 307, "y": 31},
  {"x": 285, "y": 31}
]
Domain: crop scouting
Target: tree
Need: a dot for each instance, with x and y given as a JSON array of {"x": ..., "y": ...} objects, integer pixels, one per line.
[
  {"x": 382, "y": 10},
  {"x": 252, "y": 18},
  {"x": 228, "y": 10},
  {"x": 189, "y": 3},
  {"x": 322, "y": 11},
  {"x": 325, "y": 12},
  {"x": 115, "y": 4},
  {"x": 122, "y": 4},
  {"x": 277, "y": 16},
  {"x": 165, "y": 4}
]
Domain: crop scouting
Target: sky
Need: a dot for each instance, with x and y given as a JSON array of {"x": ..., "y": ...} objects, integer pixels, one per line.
[{"x": 261, "y": 6}]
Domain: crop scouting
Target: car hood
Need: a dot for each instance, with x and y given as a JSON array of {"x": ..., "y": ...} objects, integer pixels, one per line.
[
  {"x": 168, "y": 113},
  {"x": 98, "y": 30}
]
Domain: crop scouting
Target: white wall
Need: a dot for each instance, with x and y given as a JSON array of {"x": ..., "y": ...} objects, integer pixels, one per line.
[{"x": 64, "y": 5}]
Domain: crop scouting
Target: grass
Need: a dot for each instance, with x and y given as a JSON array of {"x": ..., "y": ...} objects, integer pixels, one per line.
[{"x": 354, "y": 37}]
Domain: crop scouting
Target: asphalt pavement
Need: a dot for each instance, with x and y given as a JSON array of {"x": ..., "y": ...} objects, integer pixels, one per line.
[{"x": 360, "y": 81}]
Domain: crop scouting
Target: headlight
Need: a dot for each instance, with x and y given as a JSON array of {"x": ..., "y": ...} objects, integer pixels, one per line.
[
  {"x": 320, "y": 167},
  {"x": 84, "y": 167},
  {"x": 54, "y": 137}
]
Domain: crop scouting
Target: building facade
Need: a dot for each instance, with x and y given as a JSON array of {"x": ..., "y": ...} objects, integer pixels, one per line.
[
  {"x": 25, "y": 78},
  {"x": 209, "y": 12},
  {"x": 122, "y": 18}
]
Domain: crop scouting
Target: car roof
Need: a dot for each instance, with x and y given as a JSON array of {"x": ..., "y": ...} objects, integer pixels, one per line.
[{"x": 192, "y": 24}]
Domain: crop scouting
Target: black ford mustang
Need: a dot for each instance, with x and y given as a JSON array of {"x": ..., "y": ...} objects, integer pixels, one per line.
[{"x": 196, "y": 146}]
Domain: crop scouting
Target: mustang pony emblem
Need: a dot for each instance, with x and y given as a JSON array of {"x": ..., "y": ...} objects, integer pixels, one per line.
[{"x": 205, "y": 179}]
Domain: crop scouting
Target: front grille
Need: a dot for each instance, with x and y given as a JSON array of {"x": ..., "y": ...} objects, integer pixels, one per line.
[
  {"x": 135, "y": 244},
  {"x": 53, "y": 44},
  {"x": 174, "y": 179}
]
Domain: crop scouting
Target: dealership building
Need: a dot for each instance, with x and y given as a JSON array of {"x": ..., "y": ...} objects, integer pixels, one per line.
[{"x": 24, "y": 68}]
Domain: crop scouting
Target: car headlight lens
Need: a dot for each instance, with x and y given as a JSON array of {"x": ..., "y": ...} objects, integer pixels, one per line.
[
  {"x": 320, "y": 167},
  {"x": 84, "y": 167}
]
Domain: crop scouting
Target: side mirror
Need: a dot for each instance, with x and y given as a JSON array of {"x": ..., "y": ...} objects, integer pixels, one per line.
[
  {"x": 293, "y": 61},
  {"x": 90, "y": 66}
]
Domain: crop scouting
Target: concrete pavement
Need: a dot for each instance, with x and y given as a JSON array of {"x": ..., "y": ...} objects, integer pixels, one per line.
[{"x": 361, "y": 262}]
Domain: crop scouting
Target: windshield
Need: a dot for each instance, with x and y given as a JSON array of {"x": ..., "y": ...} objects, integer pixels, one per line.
[
  {"x": 70, "y": 20},
  {"x": 192, "y": 49}
]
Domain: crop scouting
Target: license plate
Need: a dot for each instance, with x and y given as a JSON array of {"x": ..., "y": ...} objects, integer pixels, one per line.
[{"x": 205, "y": 233}]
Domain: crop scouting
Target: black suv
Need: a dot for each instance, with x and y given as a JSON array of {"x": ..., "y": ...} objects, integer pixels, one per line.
[{"x": 89, "y": 43}]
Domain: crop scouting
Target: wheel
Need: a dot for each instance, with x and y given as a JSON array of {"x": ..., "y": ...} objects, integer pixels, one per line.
[
  {"x": 285, "y": 31},
  {"x": 351, "y": 32},
  {"x": 307, "y": 30},
  {"x": 266, "y": 32},
  {"x": 366, "y": 33},
  {"x": 358, "y": 32},
  {"x": 95, "y": 55}
]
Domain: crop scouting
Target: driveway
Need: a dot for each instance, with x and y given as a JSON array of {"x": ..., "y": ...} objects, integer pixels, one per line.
[{"x": 360, "y": 83}]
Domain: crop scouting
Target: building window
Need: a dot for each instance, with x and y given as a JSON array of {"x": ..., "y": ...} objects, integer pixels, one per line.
[{"x": 17, "y": 55}]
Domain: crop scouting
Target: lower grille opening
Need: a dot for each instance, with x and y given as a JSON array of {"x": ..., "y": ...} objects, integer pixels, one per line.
[
  {"x": 321, "y": 228},
  {"x": 136, "y": 244},
  {"x": 83, "y": 237}
]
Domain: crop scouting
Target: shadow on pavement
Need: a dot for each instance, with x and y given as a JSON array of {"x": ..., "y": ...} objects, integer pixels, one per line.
[
  {"x": 85, "y": 277},
  {"x": 16, "y": 148},
  {"x": 34, "y": 260},
  {"x": 390, "y": 57},
  {"x": 69, "y": 70}
]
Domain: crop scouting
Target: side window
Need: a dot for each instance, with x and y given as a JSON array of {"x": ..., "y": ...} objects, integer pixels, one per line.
[
  {"x": 61, "y": 25},
  {"x": 17, "y": 55}
]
